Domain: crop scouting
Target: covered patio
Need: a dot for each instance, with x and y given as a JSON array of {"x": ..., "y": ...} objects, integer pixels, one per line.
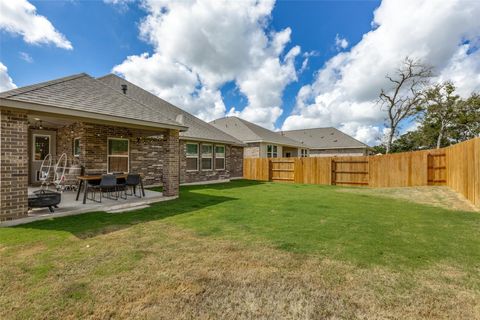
[{"x": 91, "y": 126}]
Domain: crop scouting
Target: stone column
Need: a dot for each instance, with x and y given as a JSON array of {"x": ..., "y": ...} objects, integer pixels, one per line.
[
  {"x": 13, "y": 164},
  {"x": 171, "y": 163}
]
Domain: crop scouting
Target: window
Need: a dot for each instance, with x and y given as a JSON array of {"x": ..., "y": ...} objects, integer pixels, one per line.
[
  {"x": 192, "y": 156},
  {"x": 118, "y": 155},
  {"x": 207, "y": 155},
  {"x": 271, "y": 151},
  {"x": 41, "y": 146},
  {"x": 76, "y": 147},
  {"x": 219, "y": 157},
  {"x": 304, "y": 153}
]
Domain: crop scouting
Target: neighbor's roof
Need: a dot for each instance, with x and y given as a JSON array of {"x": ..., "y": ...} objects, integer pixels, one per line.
[
  {"x": 197, "y": 129},
  {"x": 250, "y": 132},
  {"x": 84, "y": 96},
  {"x": 324, "y": 138}
]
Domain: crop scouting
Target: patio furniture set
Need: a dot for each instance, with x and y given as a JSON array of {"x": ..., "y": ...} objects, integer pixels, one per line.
[{"x": 63, "y": 178}]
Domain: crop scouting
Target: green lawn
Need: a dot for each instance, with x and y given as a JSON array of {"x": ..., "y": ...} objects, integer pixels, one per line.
[{"x": 50, "y": 269}]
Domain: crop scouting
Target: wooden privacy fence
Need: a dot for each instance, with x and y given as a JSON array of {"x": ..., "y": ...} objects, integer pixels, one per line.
[{"x": 457, "y": 166}]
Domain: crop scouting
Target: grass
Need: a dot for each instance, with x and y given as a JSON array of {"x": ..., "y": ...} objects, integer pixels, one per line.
[{"x": 248, "y": 250}]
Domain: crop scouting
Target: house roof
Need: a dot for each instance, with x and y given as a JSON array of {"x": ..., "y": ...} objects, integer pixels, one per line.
[
  {"x": 84, "y": 96},
  {"x": 197, "y": 129},
  {"x": 250, "y": 132},
  {"x": 324, "y": 138}
]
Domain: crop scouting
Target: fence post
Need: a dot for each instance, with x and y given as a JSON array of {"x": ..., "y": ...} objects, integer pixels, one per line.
[{"x": 333, "y": 174}]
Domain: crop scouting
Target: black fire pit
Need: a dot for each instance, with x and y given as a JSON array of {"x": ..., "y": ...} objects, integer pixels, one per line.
[{"x": 44, "y": 199}]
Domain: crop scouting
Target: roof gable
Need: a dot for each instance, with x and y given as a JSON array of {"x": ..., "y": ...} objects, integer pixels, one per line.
[
  {"x": 197, "y": 128},
  {"x": 324, "y": 138},
  {"x": 250, "y": 132}
]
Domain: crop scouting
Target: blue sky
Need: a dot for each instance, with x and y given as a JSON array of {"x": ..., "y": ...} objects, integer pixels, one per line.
[{"x": 104, "y": 34}]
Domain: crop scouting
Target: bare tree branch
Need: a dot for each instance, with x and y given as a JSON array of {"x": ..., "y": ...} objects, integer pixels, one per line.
[{"x": 405, "y": 96}]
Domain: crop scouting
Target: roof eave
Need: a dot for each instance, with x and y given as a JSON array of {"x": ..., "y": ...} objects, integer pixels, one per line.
[
  {"x": 197, "y": 139},
  {"x": 85, "y": 115}
]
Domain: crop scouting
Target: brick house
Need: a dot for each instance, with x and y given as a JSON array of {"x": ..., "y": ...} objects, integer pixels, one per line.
[
  {"x": 260, "y": 142},
  {"x": 105, "y": 130}
]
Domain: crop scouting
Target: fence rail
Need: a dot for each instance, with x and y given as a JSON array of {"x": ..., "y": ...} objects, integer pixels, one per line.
[{"x": 457, "y": 166}]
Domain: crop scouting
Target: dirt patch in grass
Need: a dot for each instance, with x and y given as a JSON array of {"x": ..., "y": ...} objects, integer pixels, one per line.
[
  {"x": 163, "y": 272},
  {"x": 442, "y": 197}
]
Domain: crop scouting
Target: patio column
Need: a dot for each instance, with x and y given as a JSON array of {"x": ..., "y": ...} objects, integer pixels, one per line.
[
  {"x": 171, "y": 164},
  {"x": 13, "y": 164}
]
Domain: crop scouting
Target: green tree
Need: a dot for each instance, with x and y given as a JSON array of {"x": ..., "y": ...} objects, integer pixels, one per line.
[
  {"x": 467, "y": 121},
  {"x": 442, "y": 112}
]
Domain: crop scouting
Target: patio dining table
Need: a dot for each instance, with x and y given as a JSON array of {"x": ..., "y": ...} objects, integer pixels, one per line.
[{"x": 83, "y": 180}]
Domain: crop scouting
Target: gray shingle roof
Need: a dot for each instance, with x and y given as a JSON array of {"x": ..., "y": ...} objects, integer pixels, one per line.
[
  {"x": 250, "y": 132},
  {"x": 84, "y": 93},
  {"x": 324, "y": 138},
  {"x": 197, "y": 129}
]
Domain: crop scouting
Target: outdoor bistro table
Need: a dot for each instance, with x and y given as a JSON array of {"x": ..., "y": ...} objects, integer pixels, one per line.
[{"x": 85, "y": 179}]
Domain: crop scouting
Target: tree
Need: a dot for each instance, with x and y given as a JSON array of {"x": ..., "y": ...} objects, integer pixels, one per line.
[
  {"x": 467, "y": 120},
  {"x": 442, "y": 110},
  {"x": 405, "y": 96}
]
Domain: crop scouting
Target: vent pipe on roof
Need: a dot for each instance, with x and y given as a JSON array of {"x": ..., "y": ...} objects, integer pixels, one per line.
[{"x": 124, "y": 88}]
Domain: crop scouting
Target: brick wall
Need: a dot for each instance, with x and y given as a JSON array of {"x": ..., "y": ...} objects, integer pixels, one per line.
[
  {"x": 145, "y": 152},
  {"x": 13, "y": 165},
  {"x": 171, "y": 160},
  {"x": 203, "y": 175},
  {"x": 236, "y": 162}
]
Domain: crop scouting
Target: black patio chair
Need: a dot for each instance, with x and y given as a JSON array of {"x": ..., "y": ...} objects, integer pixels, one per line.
[
  {"x": 132, "y": 181},
  {"x": 108, "y": 184}
]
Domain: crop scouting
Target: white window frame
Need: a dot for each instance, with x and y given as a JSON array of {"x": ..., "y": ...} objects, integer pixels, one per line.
[
  {"x": 118, "y": 156},
  {"x": 272, "y": 153},
  {"x": 33, "y": 143},
  {"x": 211, "y": 157},
  {"x": 304, "y": 153},
  {"x": 189, "y": 156},
  {"x": 73, "y": 147},
  {"x": 223, "y": 157}
]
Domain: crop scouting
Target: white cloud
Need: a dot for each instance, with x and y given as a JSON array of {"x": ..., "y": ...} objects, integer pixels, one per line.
[
  {"x": 344, "y": 93},
  {"x": 20, "y": 17},
  {"x": 340, "y": 43},
  {"x": 25, "y": 57},
  {"x": 6, "y": 83},
  {"x": 200, "y": 45}
]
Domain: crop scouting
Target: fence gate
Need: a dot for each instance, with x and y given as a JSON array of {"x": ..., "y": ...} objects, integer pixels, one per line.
[
  {"x": 352, "y": 172},
  {"x": 282, "y": 170},
  {"x": 437, "y": 175}
]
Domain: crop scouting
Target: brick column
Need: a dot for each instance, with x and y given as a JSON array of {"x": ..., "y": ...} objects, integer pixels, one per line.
[
  {"x": 171, "y": 164},
  {"x": 13, "y": 165}
]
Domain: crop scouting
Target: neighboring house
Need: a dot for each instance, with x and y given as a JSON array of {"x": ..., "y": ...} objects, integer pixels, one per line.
[
  {"x": 326, "y": 142},
  {"x": 206, "y": 153},
  {"x": 261, "y": 142}
]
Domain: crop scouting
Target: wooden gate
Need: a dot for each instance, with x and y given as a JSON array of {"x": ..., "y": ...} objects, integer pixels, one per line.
[
  {"x": 350, "y": 171},
  {"x": 437, "y": 175},
  {"x": 282, "y": 169}
]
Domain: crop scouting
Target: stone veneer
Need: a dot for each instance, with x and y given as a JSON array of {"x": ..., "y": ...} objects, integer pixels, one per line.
[
  {"x": 252, "y": 150},
  {"x": 233, "y": 165},
  {"x": 13, "y": 164}
]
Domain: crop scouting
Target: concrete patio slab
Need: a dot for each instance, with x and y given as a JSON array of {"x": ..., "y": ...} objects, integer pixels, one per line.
[{"x": 69, "y": 206}]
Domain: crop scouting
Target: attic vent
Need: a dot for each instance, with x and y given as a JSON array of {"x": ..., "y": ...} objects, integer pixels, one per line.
[
  {"x": 124, "y": 88},
  {"x": 179, "y": 118}
]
